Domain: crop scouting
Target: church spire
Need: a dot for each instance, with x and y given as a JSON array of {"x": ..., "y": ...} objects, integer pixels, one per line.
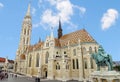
[
  {"x": 59, "y": 30},
  {"x": 28, "y": 11}
]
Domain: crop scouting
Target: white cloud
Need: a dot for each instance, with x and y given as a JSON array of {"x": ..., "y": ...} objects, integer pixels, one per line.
[
  {"x": 33, "y": 11},
  {"x": 1, "y": 5},
  {"x": 62, "y": 9},
  {"x": 109, "y": 18}
]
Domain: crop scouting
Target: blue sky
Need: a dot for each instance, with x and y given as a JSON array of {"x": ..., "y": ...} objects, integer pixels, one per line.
[{"x": 101, "y": 18}]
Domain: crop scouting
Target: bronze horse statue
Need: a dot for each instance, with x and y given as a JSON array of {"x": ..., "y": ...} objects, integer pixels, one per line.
[{"x": 102, "y": 59}]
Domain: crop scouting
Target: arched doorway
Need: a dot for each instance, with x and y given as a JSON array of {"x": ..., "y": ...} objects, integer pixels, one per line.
[{"x": 45, "y": 72}]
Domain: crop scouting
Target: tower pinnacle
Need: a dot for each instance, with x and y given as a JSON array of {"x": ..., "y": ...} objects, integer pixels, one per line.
[
  {"x": 59, "y": 30},
  {"x": 28, "y": 11}
]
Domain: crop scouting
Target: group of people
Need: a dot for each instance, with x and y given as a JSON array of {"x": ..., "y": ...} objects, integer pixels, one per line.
[{"x": 3, "y": 75}]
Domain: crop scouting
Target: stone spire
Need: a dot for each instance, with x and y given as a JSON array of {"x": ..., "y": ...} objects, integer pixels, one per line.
[
  {"x": 26, "y": 31},
  {"x": 28, "y": 11},
  {"x": 59, "y": 30}
]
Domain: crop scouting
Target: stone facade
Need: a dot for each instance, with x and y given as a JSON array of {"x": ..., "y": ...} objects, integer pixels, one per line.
[{"x": 64, "y": 58}]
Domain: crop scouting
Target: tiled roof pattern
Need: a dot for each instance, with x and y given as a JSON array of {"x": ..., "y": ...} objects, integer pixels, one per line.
[
  {"x": 2, "y": 59},
  {"x": 74, "y": 37}
]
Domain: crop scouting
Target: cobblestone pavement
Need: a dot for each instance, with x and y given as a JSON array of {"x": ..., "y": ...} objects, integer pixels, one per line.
[{"x": 26, "y": 79}]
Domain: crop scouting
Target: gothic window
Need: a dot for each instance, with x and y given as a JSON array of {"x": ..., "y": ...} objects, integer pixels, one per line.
[
  {"x": 73, "y": 63},
  {"x": 46, "y": 58},
  {"x": 95, "y": 50},
  {"x": 85, "y": 63},
  {"x": 28, "y": 32},
  {"x": 77, "y": 63},
  {"x": 23, "y": 40},
  {"x": 64, "y": 52},
  {"x": 84, "y": 50},
  {"x": 90, "y": 50},
  {"x": 57, "y": 66},
  {"x": 56, "y": 52},
  {"x": 47, "y": 44},
  {"x": 30, "y": 59},
  {"x": 74, "y": 52},
  {"x": 24, "y": 31},
  {"x": 91, "y": 61},
  {"x": 37, "y": 60},
  {"x": 67, "y": 66},
  {"x": 27, "y": 41}
]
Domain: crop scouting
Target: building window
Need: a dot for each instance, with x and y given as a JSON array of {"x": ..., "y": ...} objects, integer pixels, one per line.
[
  {"x": 95, "y": 50},
  {"x": 46, "y": 58},
  {"x": 37, "y": 60},
  {"x": 57, "y": 66},
  {"x": 28, "y": 32},
  {"x": 91, "y": 60},
  {"x": 56, "y": 52},
  {"x": 30, "y": 59},
  {"x": 90, "y": 50},
  {"x": 84, "y": 50},
  {"x": 64, "y": 52},
  {"x": 74, "y": 52},
  {"x": 24, "y": 31},
  {"x": 73, "y": 64},
  {"x": 67, "y": 66},
  {"x": 77, "y": 63},
  {"x": 47, "y": 44},
  {"x": 85, "y": 63}
]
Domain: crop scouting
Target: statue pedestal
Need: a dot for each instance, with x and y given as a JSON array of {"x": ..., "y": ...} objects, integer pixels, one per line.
[{"x": 105, "y": 76}]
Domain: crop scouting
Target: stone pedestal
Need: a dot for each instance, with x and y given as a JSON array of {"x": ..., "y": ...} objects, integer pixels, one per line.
[{"x": 105, "y": 76}]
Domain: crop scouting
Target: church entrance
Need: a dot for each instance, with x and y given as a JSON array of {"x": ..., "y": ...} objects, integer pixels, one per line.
[{"x": 45, "y": 74}]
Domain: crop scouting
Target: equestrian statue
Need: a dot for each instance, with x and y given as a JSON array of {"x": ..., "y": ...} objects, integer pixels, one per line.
[{"x": 102, "y": 59}]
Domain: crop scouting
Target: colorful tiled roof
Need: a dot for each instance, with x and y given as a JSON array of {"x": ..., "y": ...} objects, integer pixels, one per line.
[{"x": 74, "y": 37}]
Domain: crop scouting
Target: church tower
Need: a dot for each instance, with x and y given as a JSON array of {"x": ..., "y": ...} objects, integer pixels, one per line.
[
  {"x": 59, "y": 30},
  {"x": 25, "y": 32}
]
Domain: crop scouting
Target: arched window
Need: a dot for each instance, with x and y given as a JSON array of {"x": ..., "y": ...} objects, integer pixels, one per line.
[
  {"x": 84, "y": 50},
  {"x": 74, "y": 52},
  {"x": 77, "y": 63},
  {"x": 67, "y": 66},
  {"x": 91, "y": 60},
  {"x": 23, "y": 40},
  {"x": 90, "y": 50},
  {"x": 73, "y": 63},
  {"x": 85, "y": 63},
  {"x": 30, "y": 59},
  {"x": 57, "y": 66},
  {"x": 95, "y": 50},
  {"x": 27, "y": 41},
  {"x": 46, "y": 58},
  {"x": 24, "y": 31},
  {"x": 28, "y": 32},
  {"x": 37, "y": 60}
]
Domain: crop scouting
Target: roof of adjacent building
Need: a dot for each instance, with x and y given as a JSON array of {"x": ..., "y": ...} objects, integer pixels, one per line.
[
  {"x": 67, "y": 39},
  {"x": 3, "y": 60}
]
